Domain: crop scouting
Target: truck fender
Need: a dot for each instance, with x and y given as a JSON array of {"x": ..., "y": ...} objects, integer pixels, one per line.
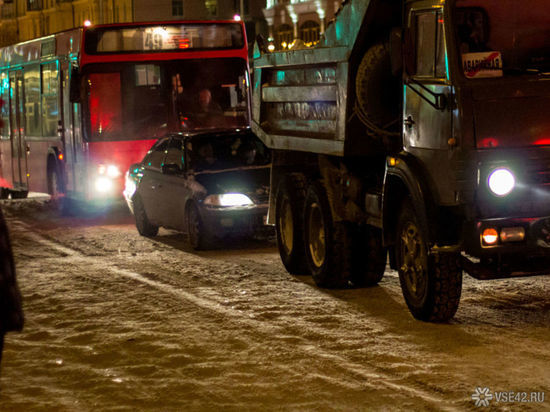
[{"x": 404, "y": 177}]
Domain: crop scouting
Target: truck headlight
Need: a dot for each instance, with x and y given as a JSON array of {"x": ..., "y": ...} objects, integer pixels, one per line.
[
  {"x": 501, "y": 181},
  {"x": 228, "y": 199}
]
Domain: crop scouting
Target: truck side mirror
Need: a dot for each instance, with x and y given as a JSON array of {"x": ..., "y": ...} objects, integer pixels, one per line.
[
  {"x": 396, "y": 50},
  {"x": 74, "y": 86}
]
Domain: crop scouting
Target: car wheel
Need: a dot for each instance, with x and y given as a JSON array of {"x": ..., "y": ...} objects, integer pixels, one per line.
[
  {"x": 197, "y": 238},
  {"x": 431, "y": 284},
  {"x": 143, "y": 225}
]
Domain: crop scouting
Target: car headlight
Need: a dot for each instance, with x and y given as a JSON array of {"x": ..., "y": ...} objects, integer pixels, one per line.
[
  {"x": 228, "y": 199},
  {"x": 501, "y": 181}
]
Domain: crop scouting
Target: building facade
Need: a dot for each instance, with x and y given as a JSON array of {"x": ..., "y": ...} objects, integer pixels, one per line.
[
  {"x": 297, "y": 22},
  {"x": 28, "y": 19},
  {"x": 22, "y": 20}
]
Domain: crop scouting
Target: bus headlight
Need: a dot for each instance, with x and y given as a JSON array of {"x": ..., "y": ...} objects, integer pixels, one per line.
[
  {"x": 228, "y": 199},
  {"x": 501, "y": 181},
  {"x": 111, "y": 171},
  {"x": 103, "y": 184}
]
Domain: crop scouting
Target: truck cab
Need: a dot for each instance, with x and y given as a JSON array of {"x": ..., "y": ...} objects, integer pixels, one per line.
[{"x": 415, "y": 130}]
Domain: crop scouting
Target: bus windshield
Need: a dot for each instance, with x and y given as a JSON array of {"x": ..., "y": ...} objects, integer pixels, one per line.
[
  {"x": 129, "y": 101},
  {"x": 503, "y": 37}
]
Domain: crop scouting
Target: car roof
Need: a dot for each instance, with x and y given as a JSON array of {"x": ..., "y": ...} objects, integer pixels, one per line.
[{"x": 211, "y": 133}]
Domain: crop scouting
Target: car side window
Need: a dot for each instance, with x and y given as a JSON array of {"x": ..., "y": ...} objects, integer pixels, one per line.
[
  {"x": 174, "y": 153},
  {"x": 154, "y": 158}
]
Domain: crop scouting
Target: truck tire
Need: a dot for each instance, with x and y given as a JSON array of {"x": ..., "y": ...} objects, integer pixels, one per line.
[
  {"x": 369, "y": 257},
  {"x": 377, "y": 90},
  {"x": 431, "y": 284},
  {"x": 289, "y": 206},
  {"x": 143, "y": 225},
  {"x": 328, "y": 244}
]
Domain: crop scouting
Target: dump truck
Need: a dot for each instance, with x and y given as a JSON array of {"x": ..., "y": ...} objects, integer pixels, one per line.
[{"x": 415, "y": 134}]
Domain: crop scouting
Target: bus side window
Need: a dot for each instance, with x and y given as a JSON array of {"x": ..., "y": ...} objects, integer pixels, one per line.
[
  {"x": 5, "y": 113},
  {"x": 50, "y": 98},
  {"x": 32, "y": 100}
]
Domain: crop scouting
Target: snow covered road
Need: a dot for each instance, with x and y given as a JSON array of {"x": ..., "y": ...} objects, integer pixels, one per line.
[{"x": 115, "y": 321}]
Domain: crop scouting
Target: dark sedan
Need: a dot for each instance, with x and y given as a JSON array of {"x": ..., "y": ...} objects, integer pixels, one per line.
[{"x": 207, "y": 185}]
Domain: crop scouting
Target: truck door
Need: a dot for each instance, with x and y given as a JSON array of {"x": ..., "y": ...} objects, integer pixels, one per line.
[
  {"x": 17, "y": 131},
  {"x": 427, "y": 122},
  {"x": 427, "y": 113}
]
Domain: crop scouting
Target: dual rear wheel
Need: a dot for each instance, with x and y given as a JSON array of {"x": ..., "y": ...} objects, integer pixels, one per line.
[
  {"x": 338, "y": 254},
  {"x": 310, "y": 242}
]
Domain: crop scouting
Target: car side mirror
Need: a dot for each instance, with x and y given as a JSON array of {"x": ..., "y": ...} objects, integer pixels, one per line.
[
  {"x": 170, "y": 169},
  {"x": 74, "y": 86}
]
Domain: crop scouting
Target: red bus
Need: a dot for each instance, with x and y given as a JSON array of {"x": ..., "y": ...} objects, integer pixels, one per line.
[{"x": 82, "y": 105}]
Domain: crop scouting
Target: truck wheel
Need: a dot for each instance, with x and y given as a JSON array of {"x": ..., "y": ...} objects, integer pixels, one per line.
[
  {"x": 288, "y": 223},
  {"x": 197, "y": 238},
  {"x": 328, "y": 243},
  {"x": 369, "y": 257},
  {"x": 431, "y": 284},
  {"x": 144, "y": 227}
]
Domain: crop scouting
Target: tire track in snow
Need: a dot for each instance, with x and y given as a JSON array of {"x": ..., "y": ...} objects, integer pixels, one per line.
[{"x": 376, "y": 375}]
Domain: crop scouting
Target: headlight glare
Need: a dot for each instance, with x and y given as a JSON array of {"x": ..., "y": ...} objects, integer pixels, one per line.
[
  {"x": 501, "y": 181},
  {"x": 228, "y": 199},
  {"x": 103, "y": 184}
]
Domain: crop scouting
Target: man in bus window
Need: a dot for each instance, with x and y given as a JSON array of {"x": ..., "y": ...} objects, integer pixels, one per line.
[{"x": 210, "y": 113}]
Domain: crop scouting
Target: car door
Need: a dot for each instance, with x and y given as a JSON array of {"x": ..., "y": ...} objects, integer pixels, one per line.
[
  {"x": 151, "y": 182},
  {"x": 175, "y": 188}
]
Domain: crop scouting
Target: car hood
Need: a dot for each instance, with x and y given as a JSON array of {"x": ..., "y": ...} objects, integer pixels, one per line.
[{"x": 252, "y": 181}]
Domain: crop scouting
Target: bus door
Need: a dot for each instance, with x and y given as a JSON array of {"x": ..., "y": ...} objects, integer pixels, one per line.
[
  {"x": 66, "y": 125},
  {"x": 17, "y": 128}
]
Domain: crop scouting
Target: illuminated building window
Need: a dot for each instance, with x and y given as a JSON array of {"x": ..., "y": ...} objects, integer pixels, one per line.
[
  {"x": 309, "y": 32},
  {"x": 212, "y": 7},
  {"x": 177, "y": 7},
  {"x": 34, "y": 4},
  {"x": 284, "y": 36}
]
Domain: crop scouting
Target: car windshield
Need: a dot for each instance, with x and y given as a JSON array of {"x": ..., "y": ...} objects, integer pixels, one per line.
[
  {"x": 503, "y": 37},
  {"x": 144, "y": 100},
  {"x": 218, "y": 152}
]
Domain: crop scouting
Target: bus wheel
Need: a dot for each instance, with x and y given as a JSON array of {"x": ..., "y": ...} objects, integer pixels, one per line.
[
  {"x": 288, "y": 223},
  {"x": 431, "y": 284},
  {"x": 328, "y": 243},
  {"x": 55, "y": 190},
  {"x": 196, "y": 238},
  {"x": 144, "y": 227},
  {"x": 19, "y": 194},
  {"x": 369, "y": 257}
]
